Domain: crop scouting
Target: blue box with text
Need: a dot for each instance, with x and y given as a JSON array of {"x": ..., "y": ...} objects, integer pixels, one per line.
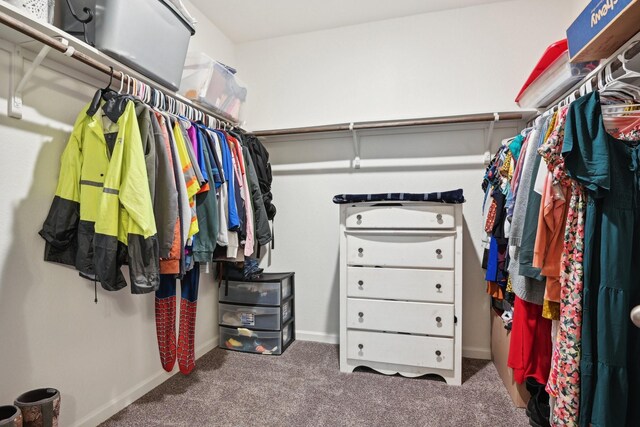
[{"x": 601, "y": 28}]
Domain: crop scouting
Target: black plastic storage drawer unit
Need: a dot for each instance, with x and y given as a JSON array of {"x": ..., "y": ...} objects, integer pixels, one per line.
[
  {"x": 270, "y": 289},
  {"x": 257, "y": 316}
]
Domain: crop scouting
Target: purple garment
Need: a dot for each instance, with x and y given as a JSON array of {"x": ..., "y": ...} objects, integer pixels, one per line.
[{"x": 194, "y": 138}]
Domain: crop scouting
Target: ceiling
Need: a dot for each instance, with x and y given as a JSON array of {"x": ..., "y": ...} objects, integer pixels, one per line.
[{"x": 246, "y": 20}]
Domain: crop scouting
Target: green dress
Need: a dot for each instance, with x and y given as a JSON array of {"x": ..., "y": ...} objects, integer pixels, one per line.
[{"x": 610, "y": 171}]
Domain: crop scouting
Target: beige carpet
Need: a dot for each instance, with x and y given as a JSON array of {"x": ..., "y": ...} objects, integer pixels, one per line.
[{"x": 304, "y": 387}]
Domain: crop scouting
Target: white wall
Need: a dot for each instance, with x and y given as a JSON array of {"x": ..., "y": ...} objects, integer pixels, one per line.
[
  {"x": 101, "y": 357},
  {"x": 209, "y": 39},
  {"x": 452, "y": 62},
  {"x": 446, "y": 63},
  {"x": 307, "y": 232}
]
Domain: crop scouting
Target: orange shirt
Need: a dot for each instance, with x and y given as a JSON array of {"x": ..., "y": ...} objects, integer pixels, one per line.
[{"x": 547, "y": 252}]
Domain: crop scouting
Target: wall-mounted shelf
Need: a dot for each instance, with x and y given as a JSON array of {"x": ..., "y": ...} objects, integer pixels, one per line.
[{"x": 29, "y": 36}]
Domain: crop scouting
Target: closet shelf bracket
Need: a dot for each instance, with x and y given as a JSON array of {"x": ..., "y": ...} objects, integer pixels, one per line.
[
  {"x": 18, "y": 80},
  {"x": 487, "y": 145},
  {"x": 356, "y": 146}
]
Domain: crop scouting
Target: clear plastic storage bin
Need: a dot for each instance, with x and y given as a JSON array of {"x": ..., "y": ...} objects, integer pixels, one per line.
[
  {"x": 263, "y": 342},
  {"x": 211, "y": 83},
  {"x": 270, "y": 289},
  {"x": 269, "y": 318}
]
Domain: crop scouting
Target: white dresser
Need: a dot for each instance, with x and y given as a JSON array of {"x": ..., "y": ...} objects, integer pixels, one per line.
[{"x": 401, "y": 288}]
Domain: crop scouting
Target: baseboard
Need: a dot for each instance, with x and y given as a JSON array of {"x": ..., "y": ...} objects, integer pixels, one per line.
[
  {"x": 123, "y": 400},
  {"x": 476, "y": 353},
  {"x": 317, "y": 337}
]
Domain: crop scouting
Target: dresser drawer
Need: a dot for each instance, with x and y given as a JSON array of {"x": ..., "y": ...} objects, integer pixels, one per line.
[
  {"x": 400, "y": 284},
  {"x": 401, "y": 349},
  {"x": 401, "y": 217},
  {"x": 401, "y": 316},
  {"x": 401, "y": 250}
]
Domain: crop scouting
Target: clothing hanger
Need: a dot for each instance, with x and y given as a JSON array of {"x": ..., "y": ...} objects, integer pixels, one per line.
[
  {"x": 106, "y": 88},
  {"x": 115, "y": 102},
  {"x": 628, "y": 73},
  {"x": 145, "y": 93},
  {"x": 102, "y": 94},
  {"x": 622, "y": 115},
  {"x": 122, "y": 77},
  {"x": 616, "y": 89},
  {"x": 162, "y": 102}
]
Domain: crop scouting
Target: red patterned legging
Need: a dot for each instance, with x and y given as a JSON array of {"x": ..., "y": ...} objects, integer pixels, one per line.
[{"x": 184, "y": 349}]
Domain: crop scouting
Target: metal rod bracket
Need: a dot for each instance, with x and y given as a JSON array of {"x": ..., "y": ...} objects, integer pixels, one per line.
[
  {"x": 487, "y": 144},
  {"x": 356, "y": 146},
  {"x": 18, "y": 80}
]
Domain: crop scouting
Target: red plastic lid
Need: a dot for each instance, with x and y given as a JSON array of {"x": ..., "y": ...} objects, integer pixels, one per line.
[{"x": 552, "y": 53}]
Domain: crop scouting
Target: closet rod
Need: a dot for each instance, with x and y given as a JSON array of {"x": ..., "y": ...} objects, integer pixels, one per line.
[
  {"x": 97, "y": 65},
  {"x": 468, "y": 118}
]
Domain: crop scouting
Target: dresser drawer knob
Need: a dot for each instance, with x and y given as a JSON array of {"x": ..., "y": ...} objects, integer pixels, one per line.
[
  {"x": 360, "y": 250},
  {"x": 360, "y": 283},
  {"x": 438, "y": 286},
  {"x": 438, "y": 319},
  {"x": 360, "y": 346},
  {"x": 361, "y": 315},
  {"x": 438, "y": 251},
  {"x": 439, "y": 218},
  {"x": 438, "y": 353}
]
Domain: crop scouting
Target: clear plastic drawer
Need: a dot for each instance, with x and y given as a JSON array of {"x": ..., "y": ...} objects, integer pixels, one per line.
[
  {"x": 267, "y": 318},
  {"x": 270, "y": 289},
  {"x": 250, "y": 341}
]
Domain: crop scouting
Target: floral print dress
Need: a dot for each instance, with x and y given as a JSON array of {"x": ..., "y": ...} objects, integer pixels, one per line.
[{"x": 564, "y": 378}]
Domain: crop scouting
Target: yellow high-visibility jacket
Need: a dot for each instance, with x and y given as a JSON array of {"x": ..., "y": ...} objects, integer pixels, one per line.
[{"x": 102, "y": 214}]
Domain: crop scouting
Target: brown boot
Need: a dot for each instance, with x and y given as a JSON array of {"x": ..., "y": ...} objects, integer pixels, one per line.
[
  {"x": 10, "y": 416},
  {"x": 40, "y": 407}
]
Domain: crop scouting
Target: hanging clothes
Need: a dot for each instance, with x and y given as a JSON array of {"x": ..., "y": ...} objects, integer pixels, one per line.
[
  {"x": 262, "y": 230},
  {"x": 165, "y": 192},
  {"x": 564, "y": 379},
  {"x": 103, "y": 204},
  {"x": 549, "y": 243},
  {"x": 608, "y": 168},
  {"x": 172, "y": 264},
  {"x": 142, "y": 187},
  {"x": 526, "y": 288},
  {"x": 206, "y": 205},
  {"x": 181, "y": 348},
  {"x": 530, "y": 346}
]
